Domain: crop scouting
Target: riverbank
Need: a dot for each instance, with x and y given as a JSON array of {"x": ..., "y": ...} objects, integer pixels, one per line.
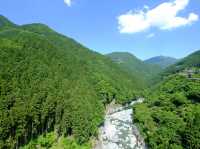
[{"x": 118, "y": 131}]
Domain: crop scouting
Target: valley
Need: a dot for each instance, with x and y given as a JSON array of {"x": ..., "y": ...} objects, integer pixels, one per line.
[
  {"x": 56, "y": 93},
  {"x": 118, "y": 131}
]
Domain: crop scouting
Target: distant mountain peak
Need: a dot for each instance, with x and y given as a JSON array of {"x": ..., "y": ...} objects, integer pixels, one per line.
[
  {"x": 121, "y": 57},
  {"x": 162, "y": 61},
  {"x": 120, "y": 53},
  {"x": 5, "y": 23},
  {"x": 188, "y": 62},
  {"x": 133, "y": 65}
]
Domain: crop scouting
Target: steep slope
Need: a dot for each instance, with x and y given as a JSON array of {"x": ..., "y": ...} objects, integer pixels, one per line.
[
  {"x": 5, "y": 23},
  {"x": 95, "y": 61},
  {"x": 50, "y": 82},
  {"x": 162, "y": 61},
  {"x": 128, "y": 62},
  {"x": 170, "y": 116},
  {"x": 189, "y": 61}
]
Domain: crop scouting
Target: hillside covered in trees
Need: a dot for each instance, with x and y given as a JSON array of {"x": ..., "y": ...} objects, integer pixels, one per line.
[
  {"x": 136, "y": 67},
  {"x": 52, "y": 87},
  {"x": 162, "y": 61},
  {"x": 192, "y": 60},
  {"x": 170, "y": 116},
  {"x": 49, "y": 82}
]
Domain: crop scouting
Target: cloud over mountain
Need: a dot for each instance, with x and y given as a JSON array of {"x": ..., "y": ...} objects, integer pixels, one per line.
[{"x": 165, "y": 16}]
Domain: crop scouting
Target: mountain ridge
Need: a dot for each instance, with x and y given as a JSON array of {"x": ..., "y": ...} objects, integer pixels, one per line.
[
  {"x": 50, "y": 82},
  {"x": 5, "y": 23},
  {"x": 162, "y": 61},
  {"x": 134, "y": 65},
  {"x": 192, "y": 60}
]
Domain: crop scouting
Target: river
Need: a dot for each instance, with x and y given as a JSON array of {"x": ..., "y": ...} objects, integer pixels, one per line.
[{"x": 118, "y": 131}]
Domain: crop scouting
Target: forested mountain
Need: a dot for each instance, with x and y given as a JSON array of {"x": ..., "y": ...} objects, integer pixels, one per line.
[
  {"x": 49, "y": 82},
  {"x": 162, "y": 61},
  {"x": 186, "y": 64},
  {"x": 135, "y": 66},
  {"x": 52, "y": 87},
  {"x": 170, "y": 116},
  {"x": 191, "y": 60},
  {"x": 5, "y": 23}
]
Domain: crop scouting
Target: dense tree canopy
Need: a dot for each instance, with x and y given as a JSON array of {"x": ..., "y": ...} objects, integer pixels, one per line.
[
  {"x": 192, "y": 60},
  {"x": 52, "y": 87},
  {"x": 49, "y": 82},
  {"x": 170, "y": 116},
  {"x": 136, "y": 67}
]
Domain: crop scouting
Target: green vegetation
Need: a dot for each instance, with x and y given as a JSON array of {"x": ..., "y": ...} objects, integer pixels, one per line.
[
  {"x": 50, "y": 141},
  {"x": 43, "y": 141},
  {"x": 170, "y": 117},
  {"x": 190, "y": 62},
  {"x": 136, "y": 67},
  {"x": 161, "y": 61},
  {"x": 193, "y": 60},
  {"x": 49, "y": 82},
  {"x": 5, "y": 23},
  {"x": 53, "y": 92}
]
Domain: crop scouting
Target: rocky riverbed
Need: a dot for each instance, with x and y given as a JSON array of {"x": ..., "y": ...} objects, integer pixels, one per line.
[{"x": 118, "y": 131}]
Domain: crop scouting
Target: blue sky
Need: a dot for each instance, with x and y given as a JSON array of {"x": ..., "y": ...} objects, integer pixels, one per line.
[{"x": 145, "y": 28}]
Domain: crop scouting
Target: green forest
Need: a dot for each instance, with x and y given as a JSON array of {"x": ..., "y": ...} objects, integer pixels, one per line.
[
  {"x": 49, "y": 82},
  {"x": 170, "y": 118},
  {"x": 54, "y": 91}
]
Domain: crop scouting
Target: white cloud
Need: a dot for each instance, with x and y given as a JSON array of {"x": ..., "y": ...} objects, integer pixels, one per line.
[
  {"x": 130, "y": 23},
  {"x": 164, "y": 16},
  {"x": 68, "y": 2},
  {"x": 150, "y": 35}
]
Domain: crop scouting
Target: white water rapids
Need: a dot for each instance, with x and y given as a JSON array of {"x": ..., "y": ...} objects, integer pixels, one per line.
[{"x": 118, "y": 131}]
